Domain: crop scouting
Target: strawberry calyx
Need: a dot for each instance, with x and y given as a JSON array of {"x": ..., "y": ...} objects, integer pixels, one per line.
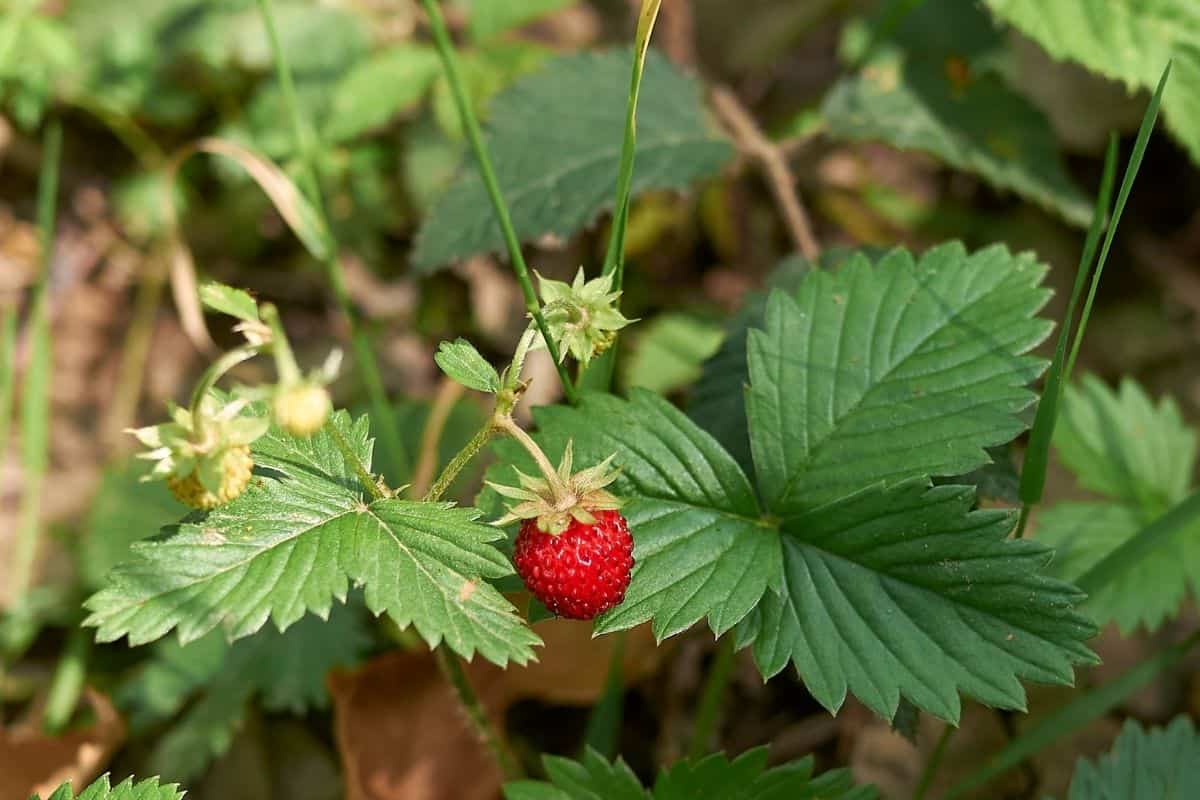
[{"x": 559, "y": 496}]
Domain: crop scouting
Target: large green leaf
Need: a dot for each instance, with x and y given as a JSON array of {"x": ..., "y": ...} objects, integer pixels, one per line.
[
  {"x": 744, "y": 778},
  {"x": 1141, "y": 456},
  {"x": 891, "y": 371},
  {"x": 702, "y": 547},
  {"x": 293, "y": 542},
  {"x": 555, "y": 137},
  {"x": 1126, "y": 40},
  {"x": 906, "y": 592},
  {"x": 216, "y": 681},
  {"x": 921, "y": 91},
  {"x": 101, "y": 789},
  {"x": 1159, "y": 763}
]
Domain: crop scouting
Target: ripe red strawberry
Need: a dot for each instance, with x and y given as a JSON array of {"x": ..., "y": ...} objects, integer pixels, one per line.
[{"x": 582, "y": 571}]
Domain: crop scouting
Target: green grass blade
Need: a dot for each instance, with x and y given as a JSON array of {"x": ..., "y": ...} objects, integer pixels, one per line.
[
  {"x": 614, "y": 258},
  {"x": 35, "y": 397},
  {"x": 8, "y": 363},
  {"x": 1033, "y": 472},
  {"x": 1131, "y": 171},
  {"x": 1129, "y": 554},
  {"x": 1072, "y": 716}
]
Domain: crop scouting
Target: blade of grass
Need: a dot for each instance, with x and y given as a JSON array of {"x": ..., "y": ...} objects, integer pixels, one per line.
[
  {"x": 35, "y": 397},
  {"x": 1075, "y": 714},
  {"x": 1131, "y": 171},
  {"x": 364, "y": 355},
  {"x": 1033, "y": 471},
  {"x": 614, "y": 257},
  {"x": 8, "y": 364},
  {"x": 466, "y": 114}
]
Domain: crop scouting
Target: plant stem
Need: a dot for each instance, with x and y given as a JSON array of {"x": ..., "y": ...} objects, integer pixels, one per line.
[
  {"x": 367, "y": 480},
  {"x": 712, "y": 698},
  {"x": 449, "y": 393},
  {"x": 8, "y": 369},
  {"x": 134, "y": 350},
  {"x": 507, "y": 424},
  {"x": 460, "y": 460},
  {"x": 477, "y": 716},
  {"x": 929, "y": 772},
  {"x": 1023, "y": 520},
  {"x": 466, "y": 113},
  {"x": 35, "y": 401},
  {"x": 1075, "y": 714},
  {"x": 364, "y": 356},
  {"x": 604, "y": 723},
  {"x": 68, "y": 680}
]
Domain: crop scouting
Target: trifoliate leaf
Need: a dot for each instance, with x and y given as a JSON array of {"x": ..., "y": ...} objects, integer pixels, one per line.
[
  {"x": 921, "y": 92},
  {"x": 1124, "y": 446},
  {"x": 284, "y": 671},
  {"x": 462, "y": 362},
  {"x": 669, "y": 351},
  {"x": 1126, "y": 40},
  {"x": 376, "y": 90},
  {"x": 905, "y": 591},
  {"x": 555, "y": 139},
  {"x": 702, "y": 549},
  {"x": 228, "y": 300},
  {"x": 884, "y": 372},
  {"x": 1142, "y": 457},
  {"x": 1159, "y": 762},
  {"x": 294, "y": 541},
  {"x": 101, "y": 789},
  {"x": 744, "y": 778}
]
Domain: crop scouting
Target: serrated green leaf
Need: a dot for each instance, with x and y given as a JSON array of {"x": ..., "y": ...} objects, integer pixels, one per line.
[
  {"x": 744, "y": 778},
  {"x": 101, "y": 789},
  {"x": 669, "y": 350},
  {"x": 905, "y": 591},
  {"x": 389, "y": 83},
  {"x": 555, "y": 140},
  {"x": 462, "y": 362},
  {"x": 1142, "y": 457},
  {"x": 891, "y": 371},
  {"x": 487, "y": 18},
  {"x": 1124, "y": 446},
  {"x": 284, "y": 671},
  {"x": 228, "y": 300},
  {"x": 1159, "y": 762},
  {"x": 1126, "y": 40},
  {"x": 920, "y": 92},
  {"x": 702, "y": 549},
  {"x": 293, "y": 542}
]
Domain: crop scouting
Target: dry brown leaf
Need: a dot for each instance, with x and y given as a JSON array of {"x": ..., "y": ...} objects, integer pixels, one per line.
[
  {"x": 33, "y": 762},
  {"x": 402, "y": 736}
]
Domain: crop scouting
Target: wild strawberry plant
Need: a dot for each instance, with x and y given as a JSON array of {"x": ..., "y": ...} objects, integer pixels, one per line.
[{"x": 817, "y": 503}]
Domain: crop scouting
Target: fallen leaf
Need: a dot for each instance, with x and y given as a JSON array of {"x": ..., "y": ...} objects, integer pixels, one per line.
[
  {"x": 31, "y": 762},
  {"x": 402, "y": 735}
]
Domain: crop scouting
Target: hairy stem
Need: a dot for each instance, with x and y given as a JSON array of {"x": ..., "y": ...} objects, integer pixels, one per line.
[
  {"x": 477, "y": 716},
  {"x": 364, "y": 356},
  {"x": 509, "y": 426},
  {"x": 460, "y": 461},
  {"x": 466, "y": 113},
  {"x": 712, "y": 697}
]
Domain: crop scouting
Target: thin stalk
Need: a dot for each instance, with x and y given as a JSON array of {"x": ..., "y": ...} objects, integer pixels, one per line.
[
  {"x": 929, "y": 771},
  {"x": 364, "y": 356},
  {"x": 448, "y": 394},
  {"x": 8, "y": 369},
  {"x": 35, "y": 399},
  {"x": 712, "y": 698},
  {"x": 604, "y": 723},
  {"x": 67, "y": 684},
  {"x": 477, "y": 716},
  {"x": 134, "y": 351},
  {"x": 466, "y": 113},
  {"x": 460, "y": 461},
  {"x": 285, "y": 361},
  {"x": 216, "y": 370},
  {"x": 368, "y": 481},
  {"x": 1074, "y": 715},
  {"x": 509, "y": 426}
]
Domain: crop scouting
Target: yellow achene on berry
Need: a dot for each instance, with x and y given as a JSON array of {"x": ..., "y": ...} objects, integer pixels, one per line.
[
  {"x": 236, "y": 467},
  {"x": 301, "y": 410}
]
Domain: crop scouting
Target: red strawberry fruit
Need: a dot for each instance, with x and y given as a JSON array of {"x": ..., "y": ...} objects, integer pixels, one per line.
[
  {"x": 574, "y": 551},
  {"x": 581, "y": 572}
]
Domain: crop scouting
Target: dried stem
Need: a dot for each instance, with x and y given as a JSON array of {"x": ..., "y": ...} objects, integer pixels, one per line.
[{"x": 754, "y": 144}]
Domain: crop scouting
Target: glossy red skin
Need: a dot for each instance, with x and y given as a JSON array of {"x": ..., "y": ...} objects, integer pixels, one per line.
[{"x": 581, "y": 572}]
